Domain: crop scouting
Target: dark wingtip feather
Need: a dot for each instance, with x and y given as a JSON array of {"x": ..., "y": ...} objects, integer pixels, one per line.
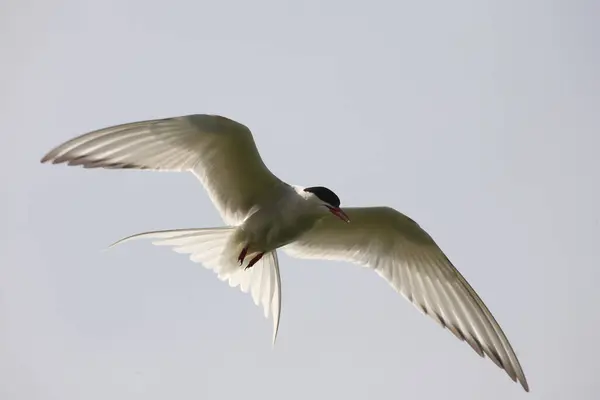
[{"x": 46, "y": 158}]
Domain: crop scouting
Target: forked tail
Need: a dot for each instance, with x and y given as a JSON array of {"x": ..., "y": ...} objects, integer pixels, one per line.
[{"x": 215, "y": 249}]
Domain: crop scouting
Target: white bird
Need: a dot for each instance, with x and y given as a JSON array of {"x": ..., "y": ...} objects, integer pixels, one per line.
[{"x": 263, "y": 214}]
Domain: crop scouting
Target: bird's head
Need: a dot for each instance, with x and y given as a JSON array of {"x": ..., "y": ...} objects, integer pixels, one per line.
[{"x": 326, "y": 198}]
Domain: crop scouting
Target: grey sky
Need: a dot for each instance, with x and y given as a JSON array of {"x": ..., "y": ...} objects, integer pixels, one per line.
[{"x": 478, "y": 119}]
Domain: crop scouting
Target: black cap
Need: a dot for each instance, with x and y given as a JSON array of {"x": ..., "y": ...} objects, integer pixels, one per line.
[{"x": 325, "y": 195}]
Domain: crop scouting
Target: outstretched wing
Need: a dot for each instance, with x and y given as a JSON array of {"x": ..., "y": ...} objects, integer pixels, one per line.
[
  {"x": 219, "y": 151},
  {"x": 400, "y": 251}
]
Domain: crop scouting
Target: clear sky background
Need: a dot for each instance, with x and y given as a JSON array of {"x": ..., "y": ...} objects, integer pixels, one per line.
[{"x": 479, "y": 119}]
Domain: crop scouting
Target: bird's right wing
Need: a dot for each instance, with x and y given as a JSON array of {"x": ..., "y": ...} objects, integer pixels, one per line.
[
  {"x": 219, "y": 151},
  {"x": 400, "y": 251}
]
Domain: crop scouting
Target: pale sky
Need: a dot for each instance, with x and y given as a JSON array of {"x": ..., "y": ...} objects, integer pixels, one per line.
[{"x": 479, "y": 119}]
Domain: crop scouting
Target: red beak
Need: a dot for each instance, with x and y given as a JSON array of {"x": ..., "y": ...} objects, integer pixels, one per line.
[{"x": 338, "y": 212}]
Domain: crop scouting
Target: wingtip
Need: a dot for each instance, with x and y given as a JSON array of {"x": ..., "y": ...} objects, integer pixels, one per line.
[
  {"x": 524, "y": 384},
  {"x": 50, "y": 157}
]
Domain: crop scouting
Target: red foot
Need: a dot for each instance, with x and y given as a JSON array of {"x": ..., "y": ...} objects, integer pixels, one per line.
[
  {"x": 254, "y": 260},
  {"x": 242, "y": 255}
]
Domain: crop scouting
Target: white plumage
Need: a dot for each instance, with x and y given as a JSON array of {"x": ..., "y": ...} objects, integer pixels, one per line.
[{"x": 264, "y": 213}]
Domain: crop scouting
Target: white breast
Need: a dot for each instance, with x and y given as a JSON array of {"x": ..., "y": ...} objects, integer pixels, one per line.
[{"x": 280, "y": 221}]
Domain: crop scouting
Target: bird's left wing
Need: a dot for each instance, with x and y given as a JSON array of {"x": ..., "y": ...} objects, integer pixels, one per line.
[{"x": 400, "y": 251}]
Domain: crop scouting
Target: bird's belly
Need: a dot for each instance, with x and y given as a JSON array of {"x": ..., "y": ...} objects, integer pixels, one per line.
[{"x": 270, "y": 234}]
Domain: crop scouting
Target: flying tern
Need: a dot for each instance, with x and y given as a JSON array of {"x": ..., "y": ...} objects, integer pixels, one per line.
[{"x": 263, "y": 214}]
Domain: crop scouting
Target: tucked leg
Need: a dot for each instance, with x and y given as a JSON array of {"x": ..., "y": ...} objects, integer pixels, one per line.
[
  {"x": 242, "y": 255},
  {"x": 254, "y": 260}
]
